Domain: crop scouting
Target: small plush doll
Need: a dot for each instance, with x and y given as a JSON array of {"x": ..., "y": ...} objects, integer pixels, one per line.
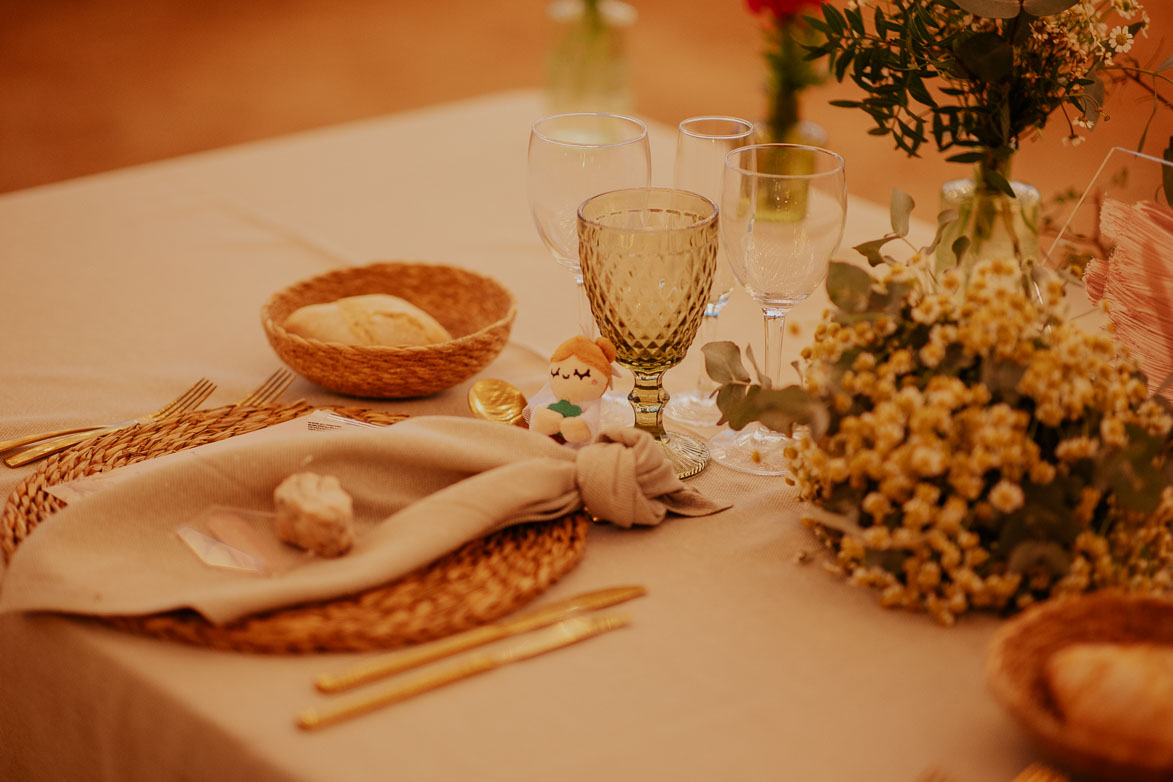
[{"x": 580, "y": 373}]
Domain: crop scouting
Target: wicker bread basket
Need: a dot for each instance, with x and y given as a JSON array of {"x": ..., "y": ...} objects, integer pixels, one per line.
[
  {"x": 1016, "y": 672},
  {"x": 476, "y": 310}
]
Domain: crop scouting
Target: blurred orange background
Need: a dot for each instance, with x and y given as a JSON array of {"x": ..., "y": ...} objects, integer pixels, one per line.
[{"x": 91, "y": 86}]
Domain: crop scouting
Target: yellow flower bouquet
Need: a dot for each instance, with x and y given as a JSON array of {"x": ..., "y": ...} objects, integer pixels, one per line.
[{"x": 964, "y": 445}]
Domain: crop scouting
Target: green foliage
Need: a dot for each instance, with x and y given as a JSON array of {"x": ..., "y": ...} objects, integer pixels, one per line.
[
  {"x": 960, "y": 73},
  {"x": 1030, "y": 520}
]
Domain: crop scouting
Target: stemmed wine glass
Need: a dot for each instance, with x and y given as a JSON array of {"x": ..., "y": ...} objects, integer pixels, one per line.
[
  {"x": 701, "y": 146},
  {"x": 648, "y": 257},
  {"x": 783, "y": 208},
  {"x": 571, "y": 158}
]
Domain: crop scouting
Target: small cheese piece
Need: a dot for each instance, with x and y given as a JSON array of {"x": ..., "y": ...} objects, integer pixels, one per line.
[
  {"x": 1123, "y": 693},
  {"x": 373, "y": 319},
  {"x": 314, "y": 513}
]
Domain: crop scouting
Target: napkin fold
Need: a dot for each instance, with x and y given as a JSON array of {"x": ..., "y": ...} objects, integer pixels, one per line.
[{"x": 421, "y": 489}]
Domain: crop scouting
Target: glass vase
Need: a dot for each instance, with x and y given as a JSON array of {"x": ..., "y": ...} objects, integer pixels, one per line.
[
  {"x": 588, "y": 69},
  {"x": 997, "y": 225}
]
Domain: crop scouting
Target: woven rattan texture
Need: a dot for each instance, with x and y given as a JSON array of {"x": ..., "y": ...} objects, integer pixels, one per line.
[
  {"x": 476, "y": 310},
  {"x": 1015, "y": 669},
  {"x": 481, "y": 581}
]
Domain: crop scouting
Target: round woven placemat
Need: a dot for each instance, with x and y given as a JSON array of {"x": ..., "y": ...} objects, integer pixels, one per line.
[{"x": 479, "y": 582}]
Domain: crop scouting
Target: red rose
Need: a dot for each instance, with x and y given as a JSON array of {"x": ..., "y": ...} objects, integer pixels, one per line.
[{"x": 781, "y": 8}]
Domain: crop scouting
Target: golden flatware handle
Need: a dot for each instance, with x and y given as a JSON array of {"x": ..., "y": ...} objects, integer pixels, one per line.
[
  {"x": 181, "y": 404},
  {"x": 405, "y": 660},
  {"x": 560, "y": 635},
  {"x": 313, "y": 718},
  {"x": 49, "y": 447},
  {"x": 8, "y": 445},
  {"x": 397, "y": 662}
]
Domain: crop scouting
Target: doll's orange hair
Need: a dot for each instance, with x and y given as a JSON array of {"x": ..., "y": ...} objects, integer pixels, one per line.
[{"x": 596, "y": 355}]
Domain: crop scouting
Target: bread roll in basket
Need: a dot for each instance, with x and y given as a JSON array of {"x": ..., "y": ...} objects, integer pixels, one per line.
[{"x": 476, "y": 310}]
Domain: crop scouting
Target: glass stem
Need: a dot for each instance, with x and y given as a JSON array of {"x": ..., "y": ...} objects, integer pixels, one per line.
[
  {"x": 586, "y": 319},
  {"x": 775, "y": 321},
  {"x": 648, "y": 398}
]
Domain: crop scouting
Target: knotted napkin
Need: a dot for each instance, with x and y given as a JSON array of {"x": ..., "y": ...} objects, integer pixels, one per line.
[{"x": 421, "y": 488}]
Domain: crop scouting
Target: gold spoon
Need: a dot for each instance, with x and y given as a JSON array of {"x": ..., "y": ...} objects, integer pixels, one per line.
[{"x": 497, "y": 400}]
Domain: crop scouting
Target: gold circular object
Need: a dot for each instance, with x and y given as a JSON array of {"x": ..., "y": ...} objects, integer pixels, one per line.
[{"x": 496, "y": 400}]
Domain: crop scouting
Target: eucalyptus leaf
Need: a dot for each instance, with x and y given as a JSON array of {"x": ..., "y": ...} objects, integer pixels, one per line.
[
  {"x": 945, "y": 218},
  {"x": 959, "y": 247},
  {"x": 993, "y": 9},
  {"x": 744, "y": 411},
  {"x": 728, "y": 398},
  {"x": 891, "y": 300},
  {"x": 901, "y": 207},
  {"x": 998, "y": 182},
  {"x": 848, "y": 286},
  {"x": 871, "y": 250},
  {"x": 723, "y": 363},
  {"x": 781, "y": 409},
  {"x": 1091, "y": 100},
  {"x": 763, "y": 379},
  {"x": 966, "y": 157}
]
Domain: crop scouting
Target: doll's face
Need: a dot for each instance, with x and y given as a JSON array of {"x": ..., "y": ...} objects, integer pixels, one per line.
[{"x": 576, "y": 382}]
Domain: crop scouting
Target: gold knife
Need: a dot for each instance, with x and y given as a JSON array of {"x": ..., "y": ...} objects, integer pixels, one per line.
[
  {"x": 565, "y": 633},
  {"x": 478, "y": 636}
]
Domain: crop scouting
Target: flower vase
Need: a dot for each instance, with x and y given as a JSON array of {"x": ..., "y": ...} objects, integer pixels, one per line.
[
  {"x": 996, "y": 225},
  {"x": 588, "y": 69}
]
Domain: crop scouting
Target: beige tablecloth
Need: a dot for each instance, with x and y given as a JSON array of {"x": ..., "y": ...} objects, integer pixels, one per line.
[{"x": 119, "y": 290}]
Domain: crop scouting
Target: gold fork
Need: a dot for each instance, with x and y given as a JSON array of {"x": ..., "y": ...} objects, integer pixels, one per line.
[
  {"x": 188, "y": 400},
  {"x": 17, "y": 442},
  {"x": 274, "y": 385}
]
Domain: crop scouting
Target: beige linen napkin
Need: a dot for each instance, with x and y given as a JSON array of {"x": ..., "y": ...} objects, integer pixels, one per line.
[{"x": 421, "y": 488}]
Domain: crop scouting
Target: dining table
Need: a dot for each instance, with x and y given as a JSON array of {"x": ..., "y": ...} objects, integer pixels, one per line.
[{"x": 746, "y": 659}]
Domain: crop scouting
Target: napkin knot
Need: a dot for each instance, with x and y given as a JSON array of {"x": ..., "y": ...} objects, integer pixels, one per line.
[{"x": 624, "y": 477}]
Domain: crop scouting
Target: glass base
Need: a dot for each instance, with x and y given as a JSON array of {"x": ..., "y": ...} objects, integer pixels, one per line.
[
  {"x": 687, "y": 454},
  {"x": 615, "y": 412},
  {"x": 694, "y": 408},
  {"x": 757, "y": 451}
]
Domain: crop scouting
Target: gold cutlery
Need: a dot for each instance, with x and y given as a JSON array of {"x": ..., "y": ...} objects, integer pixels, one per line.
[
  {"x": 274, "y": 385},
  {"x": 188, "y": 400},
  {"x": 564, "y": 633},
  {"x": 162, "y": 412},
  {"x": 17, "y": 442},
  {"x": 396, "y": 662}
]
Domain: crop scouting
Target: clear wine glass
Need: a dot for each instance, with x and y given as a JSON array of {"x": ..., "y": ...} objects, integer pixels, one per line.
[
  {"x": 783, "y": 209},
  {"x": 648, "y": 257},
  {"x": 701, "y": 146},
  {"x": 571, "y": 158}
]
